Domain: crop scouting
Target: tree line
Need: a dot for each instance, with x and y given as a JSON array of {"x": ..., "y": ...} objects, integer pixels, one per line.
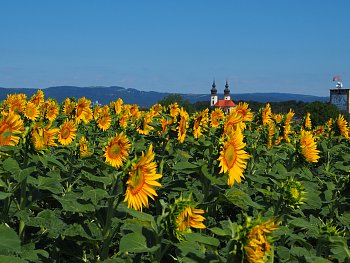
[{"x": 320, "y": 111}]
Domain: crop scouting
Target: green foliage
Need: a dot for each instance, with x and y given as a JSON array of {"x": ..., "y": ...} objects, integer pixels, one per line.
[{"x": 59, "y": 207}]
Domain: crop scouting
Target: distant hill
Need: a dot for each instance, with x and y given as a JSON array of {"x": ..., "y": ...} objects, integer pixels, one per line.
[{"x": 105, "y": 95}]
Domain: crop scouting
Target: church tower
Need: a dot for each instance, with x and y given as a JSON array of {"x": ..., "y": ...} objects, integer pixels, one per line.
[
  {"x": 214, "y": 95},
  {"x": 227, "y": 92}
]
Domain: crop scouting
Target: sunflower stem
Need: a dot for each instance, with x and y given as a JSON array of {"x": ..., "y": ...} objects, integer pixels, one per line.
[{"x": 107, "y": 233}]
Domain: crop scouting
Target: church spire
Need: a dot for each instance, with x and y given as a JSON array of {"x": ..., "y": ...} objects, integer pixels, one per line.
[
  {"x": 213, "y": 90},
  {"x": 227, "y": 92}
]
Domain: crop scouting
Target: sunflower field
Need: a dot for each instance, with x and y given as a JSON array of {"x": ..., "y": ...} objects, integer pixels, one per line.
[{"x": 114, "y": 183}]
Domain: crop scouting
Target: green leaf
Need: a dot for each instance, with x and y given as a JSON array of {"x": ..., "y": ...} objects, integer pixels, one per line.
[
  {"x": 12, "y": 259},
  {"x": 95, "y": 195},
  {"x": 240, "y": 199},
  {"x": 30, "y": 253},
  {"x": 339, "y": 248},
  {"x": 299, "y": 251},
  {"x": 136, "y": 243},
  {"x": 93, "y": 178},
  {"x": 197, "y": 237},
  {"x": 51, "y": 184},
  {"x": 48, "y": 220},
  {"x": 219, "y": 231},
  {"x": 71, "y": 203},
  {"x": 4, "y": 195},
  {"x": 184, "y": 166},
  {"x": 9, "y": 241},
  {"x": 314, "y": 259},
  {"x": 12, "y": 166}
]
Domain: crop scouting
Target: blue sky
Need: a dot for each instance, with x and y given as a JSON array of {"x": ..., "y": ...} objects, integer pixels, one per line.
[{"x": 176, "y": 46}]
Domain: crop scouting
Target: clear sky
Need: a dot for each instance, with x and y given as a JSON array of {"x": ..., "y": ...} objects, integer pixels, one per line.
[{"x": 176, "y": 46}]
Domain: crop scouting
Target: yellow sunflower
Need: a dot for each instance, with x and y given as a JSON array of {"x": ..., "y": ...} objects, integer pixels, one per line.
[
  {"x": 156, "y": 109},
  {"x": 117, "y": 150},
  {"x": 174, "y": 110},
  {"x": 271, "y": 133},
  {"x": 51, "y": 109},
  {"x": 83, "y": 110},
  {"x": 216, "y": 116},
  {"x": 68, "y": 106},
  {"x": 307, "y": 123},
  {"x": 67, "y": 132},
  {"x": 243, "y": 109},
  {"x": 233, "y": 158},
  {"x": 38, "y": 98},
  {"x": 343, "y": 126},
  {"x": 266, "y": 114},
  {"x": 11, "y": 127},
  {"x": 84, "y": 147},
  {"x": 183, "y": 125},
  {"x": 118, "y": 106},
  {"x": 123, "y": 121},
  {"x": 189, "y": 217},
  {"x": 32, "y": 111},
  {"x": 142, "y": 181},
  {"x": 104, "y": 121},
  {"x": 16, "y": 102},
  {"x": 329, "y": 124},
  {"x": 97, "y": 112},
  {"x": 277, "y": 117},
  {"x": 164, "y": 122},
  {"x": 232, "y": 123},
  {"x": 258, "y": 247},
  {"x": 43, "y": 136},
  {"x": 308, "y": 147},
  {"x": 200, "y": 123}
]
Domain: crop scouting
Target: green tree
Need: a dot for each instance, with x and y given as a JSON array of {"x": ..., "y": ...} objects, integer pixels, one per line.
[
  {"x": 320, "y": 112},
  {"x": 172, "y": 98}
]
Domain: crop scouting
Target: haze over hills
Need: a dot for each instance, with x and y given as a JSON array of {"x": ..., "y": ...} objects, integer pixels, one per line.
[{"x": 105, "y": 95}]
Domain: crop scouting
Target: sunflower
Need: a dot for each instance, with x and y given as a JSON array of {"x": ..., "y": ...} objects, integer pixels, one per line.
[
  {"x": 329, "y": 124},
  {"x": 243, "y": 109},
  {"x": 38, "y": 98},
  {"x": 277, "y": 117},
  {"x": 164, "y": 122},
  {"x": 16, "y": 102},
  {"x": 142, "y": 181},
  {"x": 83, "y": 110},
  {"x": 31, "y": 112},
  {"x": 271, "y": 133},
  {"x": 216, "y": 116},
  {"x": 343, "y": 126},
  {"x": 11, "y": 127},
  {"x": 43, "y": 136},
  {"x": 67, "y": 132},
  {"x": 307, "y": 123},
  {"x": 123, "y": 121},
  {"x": 289, "y": 116},
  {"x": 97, "y": 112},
  {"x": 183, "y": 125},
  {"x": 266, "y": 114},
  {"x": 233, "y": 158},
  {"x": 258, "y": 247},
  {"x": 135, "y": 112},
  {"x": 189, "y": 217},
  {"x": 118, "y": 105},
  {"x": 117, "y": 150},
  {"x": 308, "y": 147},
  {"x": 156, "y": 109},
  {"x": 68, "y": 106},
  {"x": 232, "y": 123},
  {"x": 104, "y": 121},
  {"x": 51, "y": 109},
  {"x": 174, "y": 110},
  {"x": 144, "y": 127},
  {"x": 84, "y": 147},
  {"x": 200, "y": 123}
]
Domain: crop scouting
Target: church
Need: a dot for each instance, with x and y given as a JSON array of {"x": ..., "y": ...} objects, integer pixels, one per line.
[{"x": 226, "y": 104}]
